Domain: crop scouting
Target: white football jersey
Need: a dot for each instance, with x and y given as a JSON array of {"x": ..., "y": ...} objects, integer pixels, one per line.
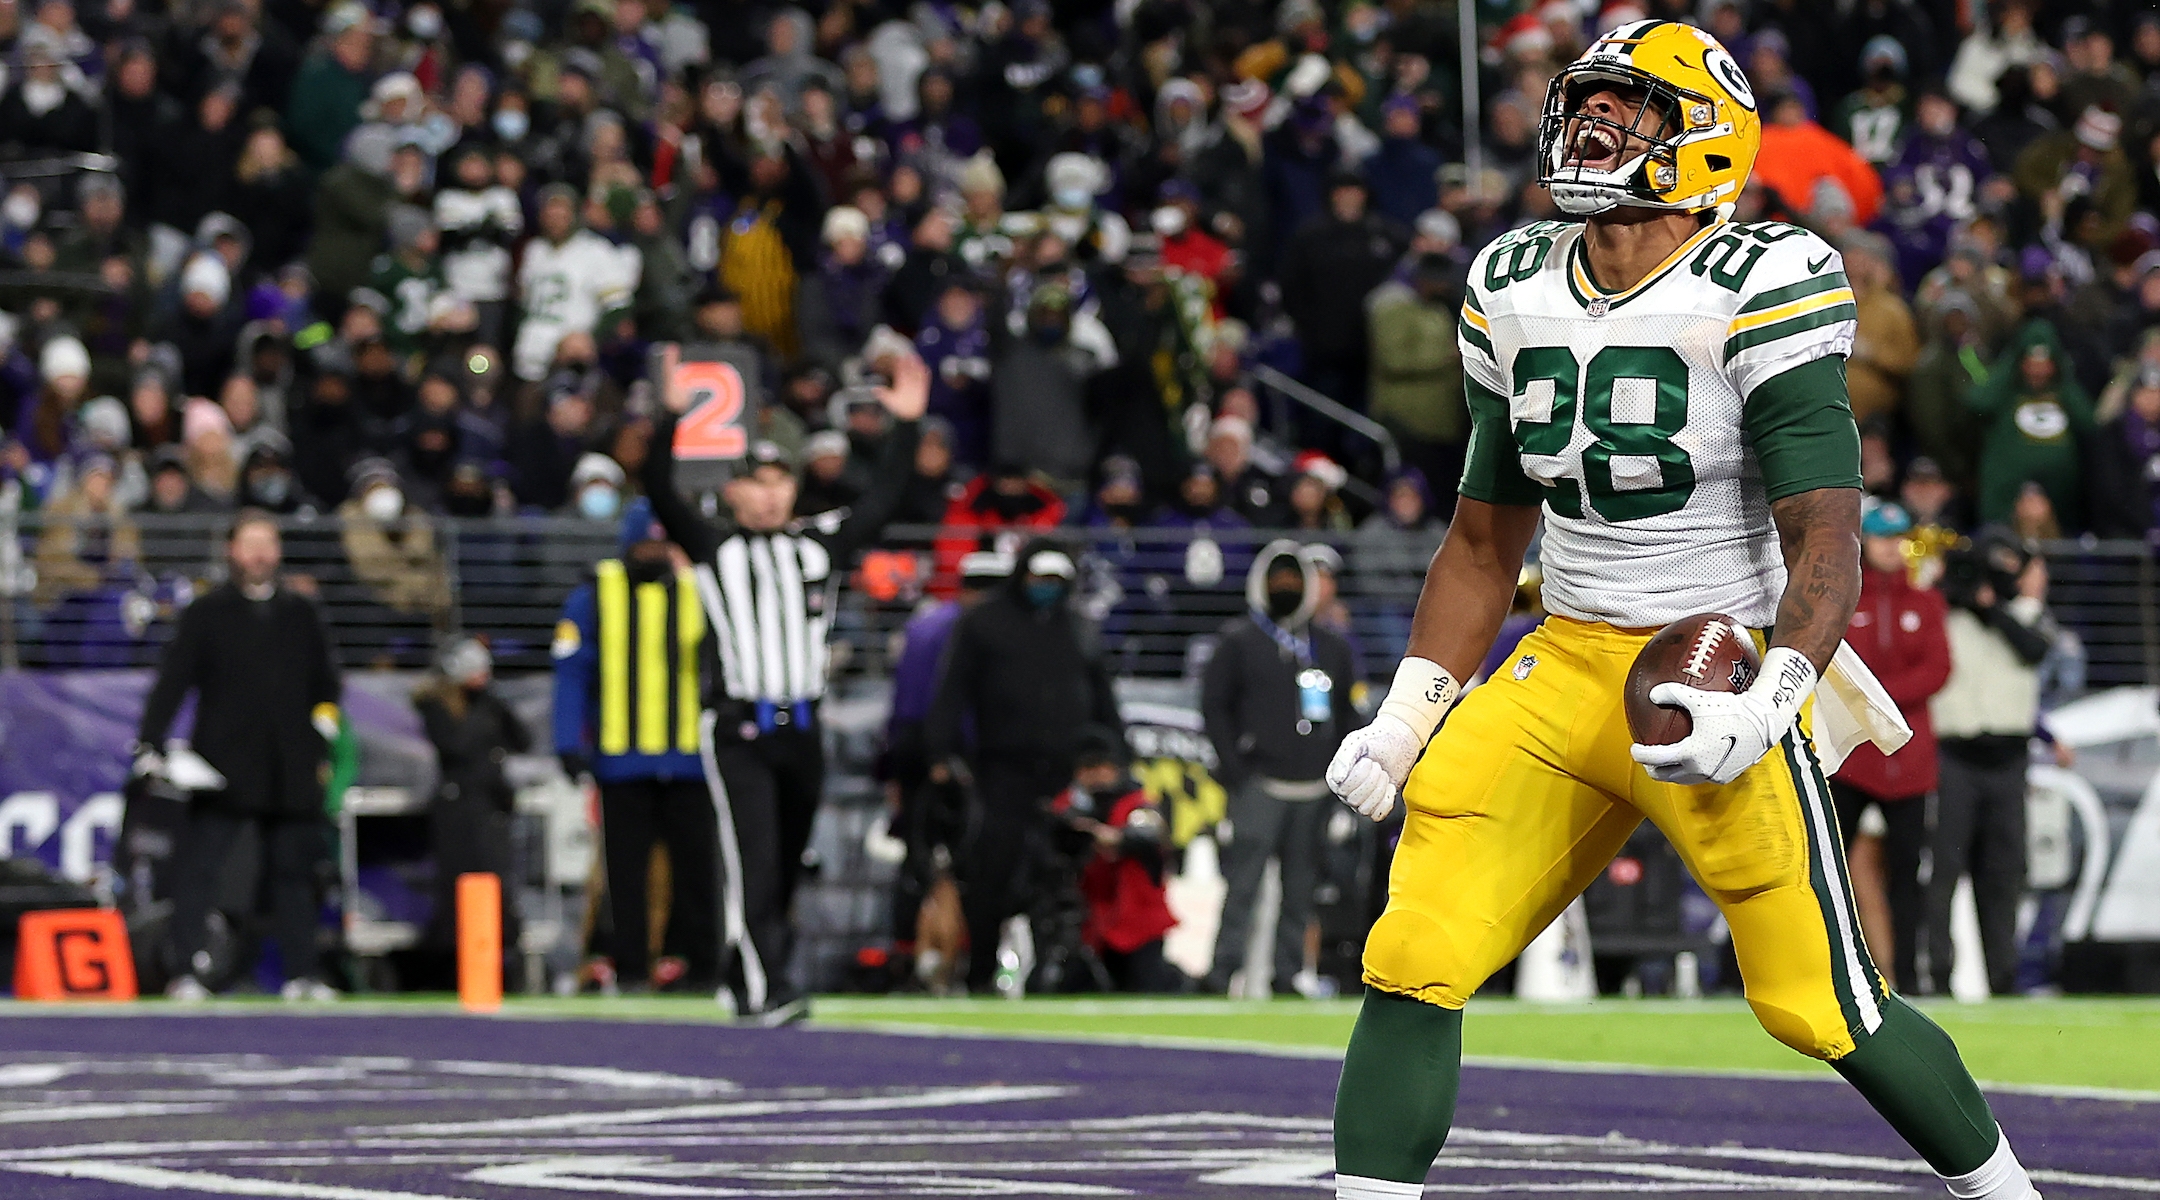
[{"x": 1634, "y": 416}]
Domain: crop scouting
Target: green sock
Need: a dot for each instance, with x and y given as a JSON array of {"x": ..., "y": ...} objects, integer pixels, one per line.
[
  {"x": 1910, "y": 1071},
  {"x": 1396, "y": 1098}
]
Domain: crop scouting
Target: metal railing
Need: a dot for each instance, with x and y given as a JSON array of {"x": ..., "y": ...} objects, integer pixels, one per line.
[{"x": 76, "y": 593}]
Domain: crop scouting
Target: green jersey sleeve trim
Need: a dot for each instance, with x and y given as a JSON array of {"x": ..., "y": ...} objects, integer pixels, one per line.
[
  {"x": 1787, "y": 294},
  {"x": 1800, "y": 425},
  {"x": 1492, "y": 468},
  {"x": 1783, "y": 329},
  {"x": 1471, "y": 334}
]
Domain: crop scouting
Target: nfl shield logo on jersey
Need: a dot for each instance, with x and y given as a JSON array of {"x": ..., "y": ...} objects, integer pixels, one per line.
[
  {"x": 1597, "y": 306},
  {"x": 1524, "y": 665}
]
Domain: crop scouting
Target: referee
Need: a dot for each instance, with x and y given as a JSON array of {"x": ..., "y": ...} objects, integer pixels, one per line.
[{"x": 765, "y": 580}]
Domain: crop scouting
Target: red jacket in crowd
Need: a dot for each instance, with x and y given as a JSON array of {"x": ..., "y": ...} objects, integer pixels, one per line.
[
  {"x": 976, "y": 514},
  {"x": 1898, "y": 632},
  {"x": 1127, "y": 906}
]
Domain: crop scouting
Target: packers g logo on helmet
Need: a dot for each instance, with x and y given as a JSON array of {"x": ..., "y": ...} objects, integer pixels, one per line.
[{"x": 1698, "y": 158}]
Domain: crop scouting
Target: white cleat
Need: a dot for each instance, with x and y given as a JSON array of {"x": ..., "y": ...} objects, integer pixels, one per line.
[{"x": 188, "y": 990}]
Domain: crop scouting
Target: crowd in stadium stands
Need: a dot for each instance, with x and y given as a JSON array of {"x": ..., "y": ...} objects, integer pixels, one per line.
[
  {"x": 399, "y": 262},
  {"x": 394, "y": 260}
]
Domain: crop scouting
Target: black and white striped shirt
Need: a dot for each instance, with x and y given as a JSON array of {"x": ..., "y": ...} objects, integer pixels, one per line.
[{"x": 768, "y": 596}]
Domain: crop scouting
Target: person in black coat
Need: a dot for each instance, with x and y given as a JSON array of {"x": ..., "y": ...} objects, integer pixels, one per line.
[
  {"x": 473, "y": 731},
  {"x": 259, "y": 661},
  {"x": 1017, "y": 667},
  {"x": 1330, "y": 266}
]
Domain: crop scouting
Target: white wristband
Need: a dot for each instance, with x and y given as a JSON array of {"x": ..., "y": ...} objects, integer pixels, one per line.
[
  {"x": 1788, "y": 679},
  {"x": 1422, "y": 693}
]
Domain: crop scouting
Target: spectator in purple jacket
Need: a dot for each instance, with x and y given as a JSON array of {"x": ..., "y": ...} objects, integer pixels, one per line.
[{"x": 955, "y": 344}]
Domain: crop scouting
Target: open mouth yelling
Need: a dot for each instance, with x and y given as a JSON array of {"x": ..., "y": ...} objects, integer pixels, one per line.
[{"x": 1596, "y": 148}]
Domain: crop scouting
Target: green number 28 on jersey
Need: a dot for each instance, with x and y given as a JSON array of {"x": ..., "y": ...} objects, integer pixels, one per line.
[{"x": 1632, "y": 400}]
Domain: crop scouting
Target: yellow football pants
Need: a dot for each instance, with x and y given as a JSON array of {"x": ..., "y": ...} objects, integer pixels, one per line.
[{"x": 1528, "y": 792}]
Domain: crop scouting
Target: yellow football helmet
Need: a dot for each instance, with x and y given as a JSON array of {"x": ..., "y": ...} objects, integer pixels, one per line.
[{"x": 1698, "y": 158}]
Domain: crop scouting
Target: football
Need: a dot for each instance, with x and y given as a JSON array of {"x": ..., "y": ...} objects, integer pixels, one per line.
[{"x": 1710, "y": 651}]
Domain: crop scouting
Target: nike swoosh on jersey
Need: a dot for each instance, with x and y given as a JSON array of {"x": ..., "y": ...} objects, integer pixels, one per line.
[{"x": 1817, "y": 265}]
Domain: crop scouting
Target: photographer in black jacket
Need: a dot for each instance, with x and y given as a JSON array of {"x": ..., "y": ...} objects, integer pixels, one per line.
[
  {"x": 259, "y": 661},
  {"x": 1017, "y": 669},
  {"x": 1276, "y": 699},
  {"x": 1985, "y": 718}
]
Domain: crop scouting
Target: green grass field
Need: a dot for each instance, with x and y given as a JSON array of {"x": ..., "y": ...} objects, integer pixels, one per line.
[{"x": 2097, "y": 1043}]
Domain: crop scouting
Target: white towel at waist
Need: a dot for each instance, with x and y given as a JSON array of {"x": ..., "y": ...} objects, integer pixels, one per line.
[{"x": 1851, "y": 707}]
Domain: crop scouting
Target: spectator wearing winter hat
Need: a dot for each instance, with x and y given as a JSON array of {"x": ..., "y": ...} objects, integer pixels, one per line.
[
  {"x": 407, "y": 286},
  {"x": 1332, "y": 264},
  {"x": 332, "y": 85},
  {"x": 173, "y": 493},
  {"x": 836, "y": 306},
  {"x": 1230, "y": 172},
  {"x": 827, "y": 482},
  {"x": 1417, "y": 389},
  {"x": 596, "y": 488},
  {"x": 1405, "y": 172},
  {"x": 40, "y": 115},
  {"x": 1316, "y": 506},
  {"x": 2035, "y": 412},
  {"x": 1039, "y": 415},
  {"x": 47, "y": 430},
  {"x": 2085, "y": 162},
  {"x": 88, "y": 538},
  {"x": 936, "y": 479},
  {"x": 954, "y": 343},
  {"x": 206, "y": 438},
  {"x": 1872, "y": 119},
  {"x": 267, "y": 481},
  {"x": 1886, "y": 343},
  {"x": 1797, "y": 154},
  {"x": 1392, "y": 549},
  {"x": 1186, "y": 247},
  {"x": 1243, "y": 487},
  {"x": 204, "y": 328},
  {"x": 391, "y": 545}
]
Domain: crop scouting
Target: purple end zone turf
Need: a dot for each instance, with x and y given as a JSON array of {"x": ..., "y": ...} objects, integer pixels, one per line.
[{"x": 367, "y": 1107}]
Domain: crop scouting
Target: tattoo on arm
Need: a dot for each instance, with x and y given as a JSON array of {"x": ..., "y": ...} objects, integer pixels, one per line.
[{"x": 1820, "y": 533}]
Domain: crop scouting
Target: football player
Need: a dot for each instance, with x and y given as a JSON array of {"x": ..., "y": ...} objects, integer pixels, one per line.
[{"x": 1667, "y": 389}]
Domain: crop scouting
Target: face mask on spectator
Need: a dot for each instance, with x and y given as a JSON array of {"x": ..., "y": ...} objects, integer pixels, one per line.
[
  {"x": 1168, "y": 221},
  {"x": 511, "y": 124},
  {"x": 1046, "y": 593},
  {"x": 384, "y": 504},
  {"x": 273, "y": 489},
  {"x": 599, "y": 503},
  {"x": 1073, "y": 199}
]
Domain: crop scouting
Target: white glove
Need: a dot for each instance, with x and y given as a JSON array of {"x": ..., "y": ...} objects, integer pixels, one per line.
[
  {"x": 1733, "y": 730},
  {"x": 148, "y": 763},
  {"x": 1371, "y": 764}
]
